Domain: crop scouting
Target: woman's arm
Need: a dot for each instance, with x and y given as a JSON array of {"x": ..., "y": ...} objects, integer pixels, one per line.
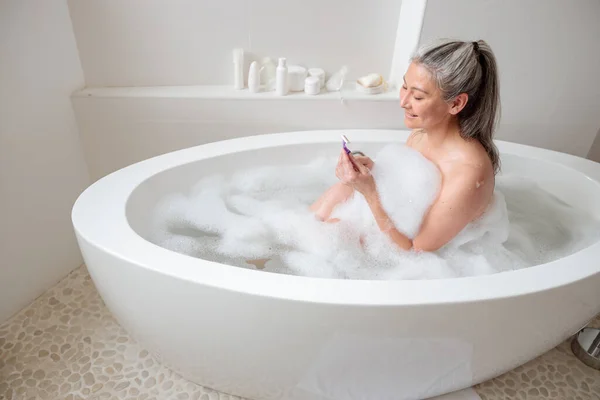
[
  {"x": 464, "y": 196},
  {"x": 385, "y": 224}
]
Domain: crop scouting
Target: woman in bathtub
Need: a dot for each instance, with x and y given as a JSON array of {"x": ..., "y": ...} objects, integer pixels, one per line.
[{"x": 450, "y": 98}]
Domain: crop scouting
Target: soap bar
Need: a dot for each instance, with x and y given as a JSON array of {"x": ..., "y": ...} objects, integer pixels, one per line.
[{"x": 371, "y": 80}]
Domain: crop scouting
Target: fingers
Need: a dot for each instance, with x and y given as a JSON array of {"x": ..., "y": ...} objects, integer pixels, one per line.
[
  {"x": 345, "y": 170},
  {"x": 358, "y": 165},
  {"x": 349, "y": 164},
  {"x": 364, "y": 160},
  {"x": 363, "y": 170},
  {"x": 348, "y": 169},
  {"x": 352, "y": 161}
]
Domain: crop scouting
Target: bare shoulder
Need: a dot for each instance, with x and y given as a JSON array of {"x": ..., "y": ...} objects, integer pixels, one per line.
[
  {"x": 471, "y": 157},
  {"x": 471, "y": 174}
]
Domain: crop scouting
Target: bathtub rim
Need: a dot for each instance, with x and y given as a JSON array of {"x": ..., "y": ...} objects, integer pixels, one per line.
[{"x": 124, "y": 243}]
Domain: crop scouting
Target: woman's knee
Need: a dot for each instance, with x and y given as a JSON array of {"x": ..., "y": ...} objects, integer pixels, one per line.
[{"x": 335, "y": 195}]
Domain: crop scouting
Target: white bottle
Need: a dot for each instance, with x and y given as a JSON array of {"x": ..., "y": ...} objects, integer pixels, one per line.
[
  {"x": 254, "y": 78},
  {"x": 267, "y": 74},
  {"x": 238, "y": 68},
  {"x": 336, "y": 81},
  {"x": 281, "y": 78}
]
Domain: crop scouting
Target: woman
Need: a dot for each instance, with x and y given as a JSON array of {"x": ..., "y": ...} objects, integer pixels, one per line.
[{"x": 450, "y": 98}]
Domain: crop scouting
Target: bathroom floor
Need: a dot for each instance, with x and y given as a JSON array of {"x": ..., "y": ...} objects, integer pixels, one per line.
[{"x": 67, "y": 345}]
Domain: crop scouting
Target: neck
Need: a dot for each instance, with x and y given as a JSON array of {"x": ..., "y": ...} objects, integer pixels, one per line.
[{"x": 446, "y": 130}]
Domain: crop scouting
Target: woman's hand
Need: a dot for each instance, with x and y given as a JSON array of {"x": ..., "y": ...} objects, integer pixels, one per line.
[
  {"x": 364, "y": 160},
  {"x": 356, "y": 173}
]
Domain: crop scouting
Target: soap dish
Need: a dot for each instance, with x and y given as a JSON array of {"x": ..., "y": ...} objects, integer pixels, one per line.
[{"x": 370, "y": 90}]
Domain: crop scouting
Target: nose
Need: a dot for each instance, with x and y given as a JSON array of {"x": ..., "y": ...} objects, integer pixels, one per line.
[{"x": 403, "y": 99}]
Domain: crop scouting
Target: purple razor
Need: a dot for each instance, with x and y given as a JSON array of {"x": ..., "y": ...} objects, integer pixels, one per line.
[{"x": 345, "y": 141}]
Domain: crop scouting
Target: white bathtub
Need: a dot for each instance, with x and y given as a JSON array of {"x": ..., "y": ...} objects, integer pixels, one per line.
[{"x": 264, "y": 336}]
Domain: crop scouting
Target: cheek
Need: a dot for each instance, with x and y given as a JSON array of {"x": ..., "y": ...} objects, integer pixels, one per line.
[
  {"x": 441, "y": 111},
  {"x": 433, "y": 110},
  {"x": 421, "y": 108}
]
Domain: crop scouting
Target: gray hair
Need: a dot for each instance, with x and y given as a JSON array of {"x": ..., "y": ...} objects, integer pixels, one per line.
[{"x": 467, "y": 67}]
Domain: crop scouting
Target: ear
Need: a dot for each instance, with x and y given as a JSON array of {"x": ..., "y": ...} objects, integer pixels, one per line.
[{"x": 458, "y": 103}]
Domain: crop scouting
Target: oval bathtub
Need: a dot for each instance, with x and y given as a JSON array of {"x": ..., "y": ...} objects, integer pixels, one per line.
[{"x": 263, "y": 335}]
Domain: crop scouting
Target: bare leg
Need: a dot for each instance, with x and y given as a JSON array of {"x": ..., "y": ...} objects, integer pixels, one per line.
[
  {"x": 258, "y": 263},
  {"x": 335, "y": 195}
]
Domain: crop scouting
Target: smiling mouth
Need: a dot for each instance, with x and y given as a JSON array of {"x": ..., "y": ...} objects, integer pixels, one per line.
[{"x": 409, "y": 115}]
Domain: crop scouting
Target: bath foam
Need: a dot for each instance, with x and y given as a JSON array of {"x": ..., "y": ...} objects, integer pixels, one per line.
[
  {"x": 407, "y": 185},
  {"x": 262, "y": 214}
]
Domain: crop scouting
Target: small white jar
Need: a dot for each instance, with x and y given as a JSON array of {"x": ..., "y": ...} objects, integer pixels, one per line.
[
  {"x": 318, "y": 73},
  {"x": 312, "y": 85}
]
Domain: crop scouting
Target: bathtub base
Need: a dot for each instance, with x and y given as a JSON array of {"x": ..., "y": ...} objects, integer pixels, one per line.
[{"x": 262, "y": 348}]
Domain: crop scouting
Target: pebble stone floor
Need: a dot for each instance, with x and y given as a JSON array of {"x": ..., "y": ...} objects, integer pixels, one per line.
[{"x": 67, "y": 345}]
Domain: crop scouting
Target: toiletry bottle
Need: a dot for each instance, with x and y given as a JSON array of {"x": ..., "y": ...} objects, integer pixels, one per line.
[
  {"x": 267, "y": 74},
  {"x": 336, "y": 81},
  {"x": 238, "y": 68},
  {"x": 254, "y": 78},
  {"x": 282, "y": 78}
]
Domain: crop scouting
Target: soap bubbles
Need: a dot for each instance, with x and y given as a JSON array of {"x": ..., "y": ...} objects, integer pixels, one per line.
[{"x": 260, "y": 218}]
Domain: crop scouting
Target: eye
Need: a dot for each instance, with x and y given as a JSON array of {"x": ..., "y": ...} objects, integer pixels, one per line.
[{"x": 418, "y": 98}]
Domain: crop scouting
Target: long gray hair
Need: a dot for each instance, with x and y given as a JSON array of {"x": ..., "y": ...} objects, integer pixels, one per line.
[{"x": 467, "y": 67}]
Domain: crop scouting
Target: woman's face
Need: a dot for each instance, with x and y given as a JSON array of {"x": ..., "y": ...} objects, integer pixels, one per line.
[{"x": 424, "y": 107}]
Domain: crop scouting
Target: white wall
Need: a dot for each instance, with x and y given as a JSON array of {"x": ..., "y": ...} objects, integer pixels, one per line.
[
  {"x": 190, "y": 42},
  {"x": 41, "y": 163},
  {"x": 594, "y": 153},
  {"x": 549, "y": 64},
  {"x": 122, "y": 126}
]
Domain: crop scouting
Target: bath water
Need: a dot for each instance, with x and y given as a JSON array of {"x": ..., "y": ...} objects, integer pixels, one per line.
[{"x": 259, "y": 218}]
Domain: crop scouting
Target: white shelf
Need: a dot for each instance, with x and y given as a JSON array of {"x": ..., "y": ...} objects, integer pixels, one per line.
[{"x": 229, "y": 93}]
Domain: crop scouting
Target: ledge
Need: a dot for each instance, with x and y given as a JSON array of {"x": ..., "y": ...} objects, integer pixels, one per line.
[{"x": 229, "y": 93}]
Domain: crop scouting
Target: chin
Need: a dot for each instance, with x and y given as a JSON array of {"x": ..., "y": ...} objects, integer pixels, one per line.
[{"x": 411, "y": 123}]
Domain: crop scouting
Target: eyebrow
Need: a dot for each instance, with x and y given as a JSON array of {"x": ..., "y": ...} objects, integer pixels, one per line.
[{"x": 414, "y": 87}]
